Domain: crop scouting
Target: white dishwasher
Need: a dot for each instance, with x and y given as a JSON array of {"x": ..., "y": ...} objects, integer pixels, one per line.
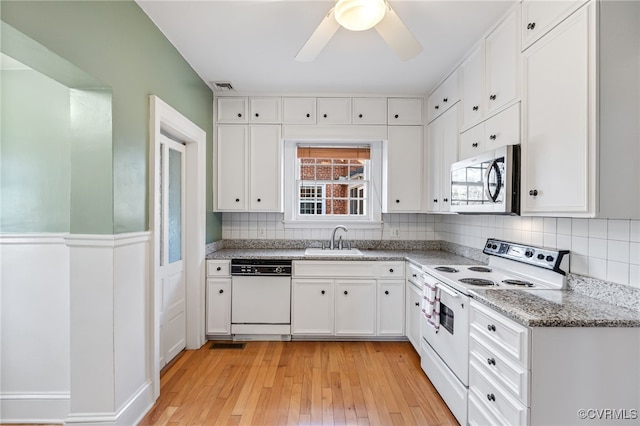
[{"x": 261, "y": 299}]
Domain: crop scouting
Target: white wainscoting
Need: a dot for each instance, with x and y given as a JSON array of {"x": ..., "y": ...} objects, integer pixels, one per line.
[
  {"x": 76, "y": 330},
  {"x": 34, "y": 336}
]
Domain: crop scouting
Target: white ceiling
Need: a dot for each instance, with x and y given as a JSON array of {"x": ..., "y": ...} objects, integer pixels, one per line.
[{"x": 252, "y": 43}]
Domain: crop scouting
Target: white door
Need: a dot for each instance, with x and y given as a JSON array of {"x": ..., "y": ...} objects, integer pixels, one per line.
[{"x": 172, "y": 276}]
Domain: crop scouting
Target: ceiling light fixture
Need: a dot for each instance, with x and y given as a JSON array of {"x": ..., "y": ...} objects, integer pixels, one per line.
[{"x": 359, "y": 15}]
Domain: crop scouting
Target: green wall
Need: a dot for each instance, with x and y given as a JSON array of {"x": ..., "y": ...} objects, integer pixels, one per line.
[
  {"x": 35, "y": 171},
  {"x": 117, "y": 43}
]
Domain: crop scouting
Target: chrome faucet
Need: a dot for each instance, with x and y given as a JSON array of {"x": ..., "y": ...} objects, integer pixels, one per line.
[{"x": 332, "y": 243}]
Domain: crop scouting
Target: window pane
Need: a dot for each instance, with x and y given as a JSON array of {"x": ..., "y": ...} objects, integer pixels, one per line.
[{"x": 175, "y": 206}]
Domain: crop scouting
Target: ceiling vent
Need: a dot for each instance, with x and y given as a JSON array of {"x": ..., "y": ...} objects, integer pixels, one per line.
[{"x": 222, "y": 86}]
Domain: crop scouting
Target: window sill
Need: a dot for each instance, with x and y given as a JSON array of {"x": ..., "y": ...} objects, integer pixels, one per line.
[{"x": 351, "y": 224}]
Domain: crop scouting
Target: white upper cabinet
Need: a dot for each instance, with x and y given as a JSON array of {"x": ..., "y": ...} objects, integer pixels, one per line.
[
  {"x": 232, "y": 110},
  {"x": 264, "y": 110},
  {"x": 472, "y": 70},
  {"x": 580, "y": 142},
  {"x": 265, "y": 171},
  {"x": 231, "y": 152},
  {"x": 404, "y": 111},
  {"x": 369, "y": 111},
  {"x": 444, "y": 97},
  {"x": 538, "y": 17},
  {"x": 299, "y": 110},
  {"x": 249, "y": 176},
  {"x": 442, "y": 151},
  {"x": 490, "y": 73},
  {"x": 333, "y": 110},
  {"x": 404, "y": 173},
  {"x": 502, "y": 53}
]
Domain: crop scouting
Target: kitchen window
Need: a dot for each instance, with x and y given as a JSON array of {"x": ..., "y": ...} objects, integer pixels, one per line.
[{"x": 332, "y": 182}]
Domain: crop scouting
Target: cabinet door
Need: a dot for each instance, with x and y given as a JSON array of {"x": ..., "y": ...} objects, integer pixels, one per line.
[
  {"x": 232, "y": 110},
  {"x": 265, "y": 170},
  {"x": 390, "y": 308},
  {"x": 355, "y": 307},
  {"x": 413, "y": 314},
  {"x": 444, "y": 97},
  {"x": 333, "y": 111},
  {"x": 450, "y": 134},
  {"x": 232, "y": 155},
  {"x": 404, "y": 111},
  {"x": 312, "y": 306},
  {"x": 434, "y": 166},
  {"x": 503, "y": 128},
  {"x": 404, "y": 175},
  {"x": 538, "y": 17},
  {"x": 556, "y": 138},
  {"x": 502, "y": 51},
  {"x": 472, "y": 142},
  {"x": 369, "y": 111},
  {"x": 218, "y": 306},
  {"x": 472, "y": 70},
  {"x": 264, "y": 110},
  {"x": 299, "y": 110}
]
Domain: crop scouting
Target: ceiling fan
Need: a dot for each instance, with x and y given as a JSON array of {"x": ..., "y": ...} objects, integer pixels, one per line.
[{"x": 359, "y": 15}]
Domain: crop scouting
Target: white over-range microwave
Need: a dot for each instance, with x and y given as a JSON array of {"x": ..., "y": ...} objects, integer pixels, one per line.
[{"x": 488, "y": 183}]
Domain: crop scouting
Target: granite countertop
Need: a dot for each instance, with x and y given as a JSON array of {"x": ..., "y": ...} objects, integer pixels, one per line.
[
  {"x": 419, "y": 257},
  {"x": 556, "y": 308}
]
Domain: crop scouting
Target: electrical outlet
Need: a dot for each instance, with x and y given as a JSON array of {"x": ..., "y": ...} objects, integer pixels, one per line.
[
  {"x": 262, "y": 232},
  {"x": 395, "y": 233}
]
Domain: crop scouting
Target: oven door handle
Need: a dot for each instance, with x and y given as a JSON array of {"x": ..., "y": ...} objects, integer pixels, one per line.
[{"x": 447, "y": 290}]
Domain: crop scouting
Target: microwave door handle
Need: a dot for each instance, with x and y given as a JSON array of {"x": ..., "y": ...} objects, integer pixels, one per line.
[
  {"x": 487, "y": 190},
  {"x": 446, "y": 290}
]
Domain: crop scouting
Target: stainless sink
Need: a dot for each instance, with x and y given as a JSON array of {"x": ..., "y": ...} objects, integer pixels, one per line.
[{"x": 317, "y": 251}]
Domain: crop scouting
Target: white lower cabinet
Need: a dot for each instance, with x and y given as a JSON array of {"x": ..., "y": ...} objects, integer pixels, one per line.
[
  {"x": 413, "y": 299},
  {"x": 218, "y": 293},
  {"x": 390, "y": 308},
  {"x": 355, "y": 307},
  {"x": 547, "y": 375},
  {"x": 347, "y": 298},
  {"x": 312, "y": 306}
]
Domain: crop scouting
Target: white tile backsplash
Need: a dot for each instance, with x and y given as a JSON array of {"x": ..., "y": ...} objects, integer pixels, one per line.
[{"x": 606, "y": 249}]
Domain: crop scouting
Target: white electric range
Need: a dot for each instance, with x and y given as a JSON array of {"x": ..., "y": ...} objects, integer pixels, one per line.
[{"x": 445, "y": 342}]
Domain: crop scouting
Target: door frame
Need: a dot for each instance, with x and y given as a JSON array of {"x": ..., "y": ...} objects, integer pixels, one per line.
[{"x": 166, "y": 120}]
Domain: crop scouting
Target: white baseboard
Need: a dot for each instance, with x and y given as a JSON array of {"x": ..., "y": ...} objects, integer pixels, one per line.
[{"x": 34, "y": 408}]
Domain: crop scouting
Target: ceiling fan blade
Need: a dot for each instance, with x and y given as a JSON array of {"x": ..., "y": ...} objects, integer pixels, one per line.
[
  {"x": 398, "y": 36},
  {"x": 318, "y": 39}
]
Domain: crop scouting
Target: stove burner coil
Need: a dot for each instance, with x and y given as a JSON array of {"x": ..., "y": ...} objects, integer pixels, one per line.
[
  {"x": 446, "y": 269},
  {"x": 479, "y": 269},
  {"x": 476, "y": 281},
  {"x": 519, "y": 283}
]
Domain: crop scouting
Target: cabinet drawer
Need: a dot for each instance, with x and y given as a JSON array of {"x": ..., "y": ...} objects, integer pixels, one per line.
[
  {"x": 390, "y": 270},
  {"x": 413, "y": 272},
  {"x": 232, "y": 110},
  {"x": 299, "y": 110},
  {"x": 218, "y": 268},
  {"x": 264, "y": 110},
  {"x": 538, "y": 17},
  {"x": 503, "y": 128},
  {"x": 340, "y": 269},
  {"x": 333, "y": 110},
  {"x": 509, "y": 375},
  {"x": 369, "y": 111},
  {"x": 495, "y": 400},
  {"x": 472, "y": 142},
  {"x": 404, "y": 111},
  {"x": 478, "y": 414},
  {"x": 500, "y": 333}
]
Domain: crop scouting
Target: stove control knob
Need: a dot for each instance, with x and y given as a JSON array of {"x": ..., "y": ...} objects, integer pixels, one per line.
[
  {"x": 541, "y": 256},
  {"x": 495, "y": 246},
  {"x": 528, "y": 253},
  {"x": 550, "y": 259},
  {"x": 278, "y": 270},
  {"x": 488, "y": 245}
]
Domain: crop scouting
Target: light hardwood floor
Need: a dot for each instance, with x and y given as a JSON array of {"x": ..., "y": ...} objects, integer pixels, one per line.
[{"x": 299, "y": 383}]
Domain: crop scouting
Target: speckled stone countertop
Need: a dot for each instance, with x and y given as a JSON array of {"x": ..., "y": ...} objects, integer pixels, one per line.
[
  {"x": 419, "y": 257},
  {"x": 556, "y": 308}
]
